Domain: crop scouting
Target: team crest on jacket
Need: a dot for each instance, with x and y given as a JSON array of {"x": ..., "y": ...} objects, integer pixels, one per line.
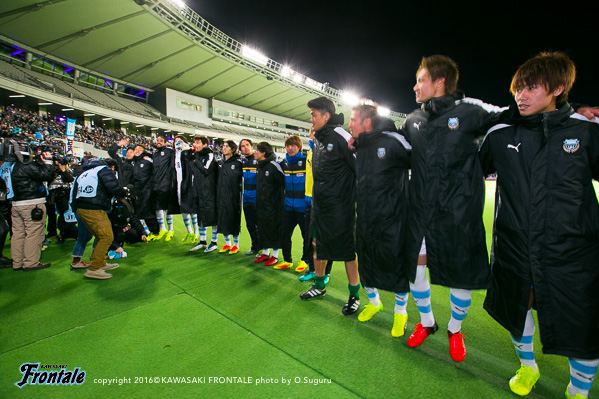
[
  {"x": 381, "y": 152},
  {"x": 266, "y": 173},
  {"x": 330, "y": 147},
  {"x": 571, "y": 145},
  {"x": 453, "y": 123},
  {"x": 232, "y": 166}
]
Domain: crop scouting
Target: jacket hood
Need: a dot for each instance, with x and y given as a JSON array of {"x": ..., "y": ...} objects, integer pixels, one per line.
[
  {"x": 268, "y": 159},
  {"x": 384, "y": 125},
  {"x": 92, "y": 163}
]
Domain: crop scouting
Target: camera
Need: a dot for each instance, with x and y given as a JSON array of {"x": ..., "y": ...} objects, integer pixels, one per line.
[{"x": 25, "y": 152}]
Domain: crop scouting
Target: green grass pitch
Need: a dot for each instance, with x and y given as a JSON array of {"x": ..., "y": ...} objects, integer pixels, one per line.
[{"x": 172, "y": 323}]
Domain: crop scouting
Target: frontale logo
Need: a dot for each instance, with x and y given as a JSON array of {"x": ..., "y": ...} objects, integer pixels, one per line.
[{"x": 34, "y": 374}]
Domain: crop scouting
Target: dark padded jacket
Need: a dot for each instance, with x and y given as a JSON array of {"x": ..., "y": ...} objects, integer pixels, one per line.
[
  {"x": 142, "y": 182},
  {"x": 382, "y": 166},
  {"x": 205, "y": 174},
  {"x": 28, "y": 179},
  {"x": 230, "y": 176},
  {"x": 333, "y": 212},
  {"x": 447, "y": 191},
  {"x": 546, "y": 228},
  {"x": 270, "y": 183},
  {"x": 107, "y": 187}
]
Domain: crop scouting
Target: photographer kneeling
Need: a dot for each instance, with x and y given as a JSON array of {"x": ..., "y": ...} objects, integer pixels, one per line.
[
  {"x": 91, "y": 200},
  {"x": 29, "y": 211}
]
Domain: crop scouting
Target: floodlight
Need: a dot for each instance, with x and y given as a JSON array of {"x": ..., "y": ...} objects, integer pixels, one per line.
[
  {"x": 67, "y": 109},
  {"x": 17, "y": 96},
  {"x": 350, "y": 98},
  {"x": 384, "y": 111},
  {"x": 89, "y": 114},
  {"x": 254, "y": 55},
  {"x": 179, "y": 3},
  {"x": 286, "y": 72},
  {"x": 106, "y": 119},
  {"x": 297, "y": 78},
  {"x": 44, "y": 103}
]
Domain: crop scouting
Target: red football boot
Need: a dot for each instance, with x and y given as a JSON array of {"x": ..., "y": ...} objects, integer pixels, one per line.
[{"x": 420, "y": 334}]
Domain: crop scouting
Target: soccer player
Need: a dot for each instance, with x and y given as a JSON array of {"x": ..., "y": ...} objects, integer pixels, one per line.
[
  {"x": 184, "y": 186},
  {"x": 546, "y": 227},
  {"x": 270, "y": 183},
  {"x": 163, "y": 188},
  {"x": 142, "y": 182},
  {"x": 228, "y": 195},
  {"x": 446, "y": 194},
  {"x": 249, "y": 193},
  {"x": 308, "y": 249},
  {"x": 205, "y": 171},
  {"x": 333, "y": 202},
  {"x": 382, "y": 165},
  {"x": 294, "y": 168}
]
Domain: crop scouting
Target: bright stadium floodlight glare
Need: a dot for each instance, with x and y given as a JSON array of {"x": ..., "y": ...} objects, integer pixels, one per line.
[
  {"x": 179, "y": 3},
  {"x": 286, "y": 71},
  {"x": 350, "y": 98},
  {"x": 254, "y": 55},
  {"x": 297, "y": 78},
  {"x": 384, "y": 111}
]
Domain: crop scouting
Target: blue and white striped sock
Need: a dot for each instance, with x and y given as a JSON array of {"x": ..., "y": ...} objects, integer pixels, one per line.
[
  {"x": 524, "y": 347},
  {"x": 194, "y": 223},
  {"x": 169, "y": 222},
  {"x": 460, "y": 303},
  {"x": 145, "y": 226},
  {"x": 421, "y": 292},
  {"x": 373, "y": 296},
  {"x": 187, "y": 222},
  {"x": 228, "y": 240},
  {"x": 214, "y": 234},
  {"x": 160, "y": 220},
  {"x": 236, "y": 240},
  {"x": 582, "y": 375},
  {"x": 401, "y": 302},
  {"x": 203, "y": 234}
]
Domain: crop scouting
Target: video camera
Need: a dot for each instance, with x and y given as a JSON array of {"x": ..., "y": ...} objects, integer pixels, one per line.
[{"x": 25, "y": 152}]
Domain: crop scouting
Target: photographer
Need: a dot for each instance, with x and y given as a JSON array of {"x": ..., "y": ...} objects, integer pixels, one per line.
[
  {"x": 58, "y": 203},
  {"x": 91, "y": 200},
  {"x": 29, "y": 210},
  {"x": 126, "y": 228}
]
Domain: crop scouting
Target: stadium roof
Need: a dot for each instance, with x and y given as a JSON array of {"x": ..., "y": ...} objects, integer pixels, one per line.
[{"x": 160, "y": 43}]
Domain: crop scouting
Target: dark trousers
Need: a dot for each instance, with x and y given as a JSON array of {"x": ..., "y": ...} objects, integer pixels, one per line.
[
  {"x": 51, "y": 227},
  {"x": 130, "y": 236},
  {"x": 290, "y": 220},
  {"x": 251, "y": 221},
  {"x": 308, "y": 248}
]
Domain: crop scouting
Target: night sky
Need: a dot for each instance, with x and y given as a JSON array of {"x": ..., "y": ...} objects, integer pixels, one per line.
[{"x": 374, "y": 48}]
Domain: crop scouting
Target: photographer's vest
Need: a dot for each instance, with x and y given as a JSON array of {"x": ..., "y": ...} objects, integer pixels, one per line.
[
  {"x": 6, "y": 170},
  {"x": 87, "y": 183}
]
